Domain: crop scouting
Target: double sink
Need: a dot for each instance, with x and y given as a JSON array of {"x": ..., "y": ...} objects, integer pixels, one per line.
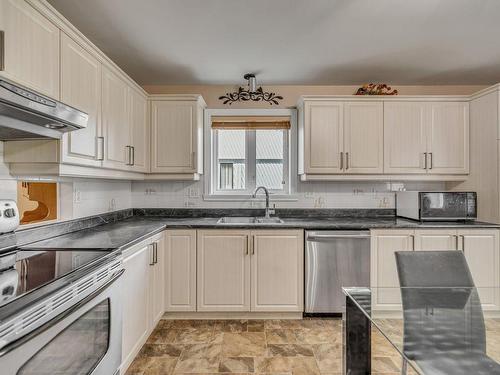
[{"x": 242, "y": 220}]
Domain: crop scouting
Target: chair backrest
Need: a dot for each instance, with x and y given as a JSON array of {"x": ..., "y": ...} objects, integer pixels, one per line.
[
  {"x": 433, "y": 268},
  {"x": 437, "y": 321}
]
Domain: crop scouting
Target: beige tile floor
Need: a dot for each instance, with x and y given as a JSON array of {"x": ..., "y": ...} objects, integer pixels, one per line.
[{"x": 277, "y": 347}]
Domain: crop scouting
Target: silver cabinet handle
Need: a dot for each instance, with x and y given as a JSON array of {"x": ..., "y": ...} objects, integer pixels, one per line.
[
  {"x": 252, "y": 241},
  {"x": 130, "y": 156},
  {"x": 412, "y": 242},
  {"x": 100, "y": 148},
  {"x": 425, "y": 160},
  {"x": 456, "y": 242},
  {"x": 341, "y": 160},
  {"x": 463, "y": 243},
  {"x": 155, "y": 252},
  {"x": 247, "y": 245},
  {"x": 151, "y": 255},
  {"x": 432, "y": 160},
  {"x": 346, "y": 161},
  {"x": 2, "y": 50},
  {"x": 133, "y": 155}
]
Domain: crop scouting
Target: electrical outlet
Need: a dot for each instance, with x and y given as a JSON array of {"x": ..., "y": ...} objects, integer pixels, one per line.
[
  {"x": 194, "y": 192},
  {"x": 188, "y": 204},
  {"x": 112, "y": 204},
  {"x": 309, "y": 195},
  {"x": 397, "y": 186},
  {"x": 77, "y": 196}
]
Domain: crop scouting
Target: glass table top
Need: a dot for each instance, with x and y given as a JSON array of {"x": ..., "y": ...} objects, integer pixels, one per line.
[{"x": 437, "y": 330}]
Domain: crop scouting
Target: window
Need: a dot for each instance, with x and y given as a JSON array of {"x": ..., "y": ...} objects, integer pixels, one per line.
[{"x": 245, "y": 157}]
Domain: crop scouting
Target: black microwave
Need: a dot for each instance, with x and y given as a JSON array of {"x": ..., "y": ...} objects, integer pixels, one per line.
[{"x": 436, "y": 205}]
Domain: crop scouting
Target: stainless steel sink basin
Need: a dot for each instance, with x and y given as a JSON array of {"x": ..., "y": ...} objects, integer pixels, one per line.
[{"x": 249, "y": 220}]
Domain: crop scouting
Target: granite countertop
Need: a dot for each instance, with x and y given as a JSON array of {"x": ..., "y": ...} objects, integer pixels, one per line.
[
  {"x": 117, "y": 235},
  {"x": 127, "y": 232}
]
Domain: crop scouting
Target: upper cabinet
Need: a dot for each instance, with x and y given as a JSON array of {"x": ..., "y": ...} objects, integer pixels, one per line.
[
  {"x": 363, "y": 137},
  {"x": 30, "y": 47},
  {"x": 382, "y": 139},
  {"x": 81, "y": 88},
  {"x": 139, "y": 131},
  {"x": 341, "y": 137},
  {"x": 177, "y": 136},
  {"x": 323, "y": 137},
  {"x": 115, "y": 120},
  {"x": 426, "y": 137},
  {"x": 448, "y": 138},
  {"x": 404, "y": 137}
]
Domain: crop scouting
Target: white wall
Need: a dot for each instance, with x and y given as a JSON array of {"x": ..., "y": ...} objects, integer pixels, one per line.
[
  {"x": 308, "y": 195},
  {"x": 77, "y": 197},
  {"x": 91, "y": 197}
]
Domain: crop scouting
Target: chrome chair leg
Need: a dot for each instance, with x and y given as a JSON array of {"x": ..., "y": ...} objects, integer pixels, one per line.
[{"x": 404, "y": 367}]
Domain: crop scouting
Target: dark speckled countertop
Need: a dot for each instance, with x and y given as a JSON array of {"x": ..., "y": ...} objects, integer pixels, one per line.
[{"x": 127, "y": 232}]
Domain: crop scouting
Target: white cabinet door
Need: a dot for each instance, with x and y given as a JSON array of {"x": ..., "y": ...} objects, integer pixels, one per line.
[
  {"x": 481, "y": 249},
  {"x": 448, "y": 138},
  {"x": 115, "y": 121},
  {"x": 384, "y": 245},
  {"x": 31, "y": 47},
  {"x": 174, "y": 136},
  {"x": 436, "y": 239},
  {"x": 135, "y": 302},
  {"x": 364, "y": 137},
  {"x": 81, "y": 88},
  {"x": 156, "y": 282},
  {"x": 180, "y": 270},
  {"x": 223, "y": 270},
  {"x": 139, "y": 131},
  {"x": 323, "y": 137},
  {"x": 404, "y": 137},
  {"x": 277, "y": 270}
]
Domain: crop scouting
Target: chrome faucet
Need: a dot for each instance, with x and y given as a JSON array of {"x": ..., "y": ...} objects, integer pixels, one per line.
[{"x": 254, "y": 195}]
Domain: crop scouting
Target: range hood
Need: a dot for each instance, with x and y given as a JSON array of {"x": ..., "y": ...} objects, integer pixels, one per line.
[{"x": 25, "y": 114}]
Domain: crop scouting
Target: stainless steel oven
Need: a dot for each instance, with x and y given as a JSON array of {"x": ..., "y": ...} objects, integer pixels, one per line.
[{"x": 75, "y": 330}]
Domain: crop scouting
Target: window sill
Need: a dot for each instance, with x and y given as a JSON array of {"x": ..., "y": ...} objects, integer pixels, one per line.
[{"x": 248, "y": 198}]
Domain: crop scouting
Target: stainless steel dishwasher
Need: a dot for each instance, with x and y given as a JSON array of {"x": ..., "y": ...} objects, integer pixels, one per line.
[{"x": 334, "y": 259}]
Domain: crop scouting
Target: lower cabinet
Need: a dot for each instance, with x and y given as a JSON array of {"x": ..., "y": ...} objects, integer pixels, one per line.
[
  {"x": 156, "y": 281},
  {"x": 277, "y": 265},
  {"x": 383, "y": 272},
  {"x": 180, "y": 270},
  {"x": 142, "y": 295},
  {"x": 234, "y": 270},
  {"x": 135, "y": 302},
  {"x": 223, "y": 270},
  {"x": 480, "y": 247}
]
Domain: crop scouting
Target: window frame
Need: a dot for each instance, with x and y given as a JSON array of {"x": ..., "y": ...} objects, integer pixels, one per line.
[{"x": 212, "y": 176}]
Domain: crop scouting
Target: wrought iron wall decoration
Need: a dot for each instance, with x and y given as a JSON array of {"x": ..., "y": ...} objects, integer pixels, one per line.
[{"x": 251, "y": 93}]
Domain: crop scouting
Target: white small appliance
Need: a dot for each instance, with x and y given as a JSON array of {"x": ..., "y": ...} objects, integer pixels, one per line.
[{"x": 9, "y": 216}]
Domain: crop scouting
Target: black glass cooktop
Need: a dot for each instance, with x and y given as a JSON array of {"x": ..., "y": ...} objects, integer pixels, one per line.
[{"x": 24, "y": 270}]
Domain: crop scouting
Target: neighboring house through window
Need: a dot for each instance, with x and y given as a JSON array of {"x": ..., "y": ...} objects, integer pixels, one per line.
[{"x": 249, "y": 151}]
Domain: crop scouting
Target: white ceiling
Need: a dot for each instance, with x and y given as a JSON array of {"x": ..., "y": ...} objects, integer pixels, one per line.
[{"x": 296, "y": 41}]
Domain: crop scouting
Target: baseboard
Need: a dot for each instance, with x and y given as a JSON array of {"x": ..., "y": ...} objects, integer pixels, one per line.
[{"x": 231, "y": 315}]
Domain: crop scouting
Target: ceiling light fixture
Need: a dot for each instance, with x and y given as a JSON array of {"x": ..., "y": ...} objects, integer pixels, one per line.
[{"x": 252, "y": 93}]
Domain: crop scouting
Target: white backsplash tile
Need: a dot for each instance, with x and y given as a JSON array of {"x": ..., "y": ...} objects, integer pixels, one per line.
[{"x": 307, "y": 195}]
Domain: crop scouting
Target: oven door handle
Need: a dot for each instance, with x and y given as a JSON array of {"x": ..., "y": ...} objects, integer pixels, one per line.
[{"x": 44, "y": 327}]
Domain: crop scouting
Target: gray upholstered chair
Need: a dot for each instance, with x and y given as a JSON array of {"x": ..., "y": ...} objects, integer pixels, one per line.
[{"x": 444, "y": 333}]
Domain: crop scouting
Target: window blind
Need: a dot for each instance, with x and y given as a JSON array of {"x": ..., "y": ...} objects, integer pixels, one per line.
[{"x": 251, "y": 122}]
